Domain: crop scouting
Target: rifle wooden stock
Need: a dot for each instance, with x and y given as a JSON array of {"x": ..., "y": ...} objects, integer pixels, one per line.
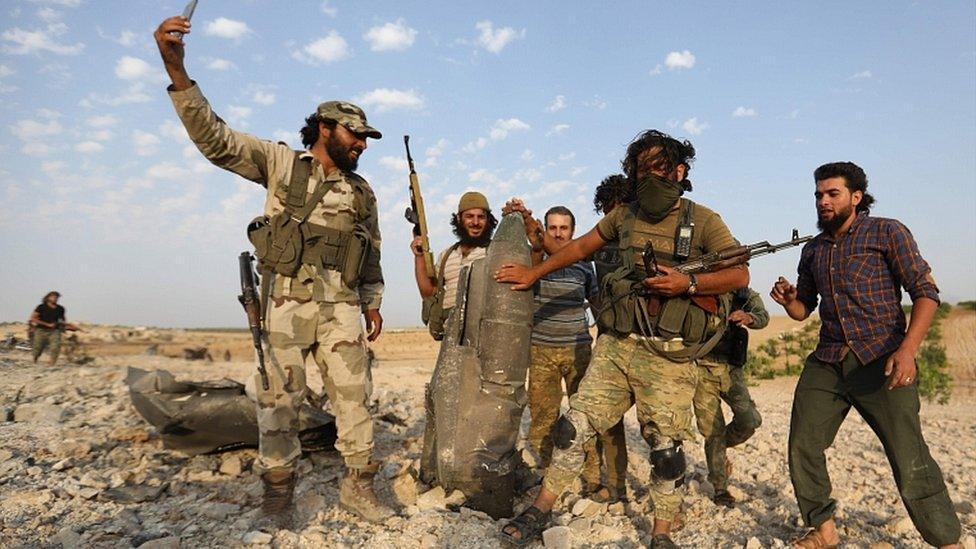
[
  {"x": 251, "y": 302},
  {"x": 416, "y": 215}
]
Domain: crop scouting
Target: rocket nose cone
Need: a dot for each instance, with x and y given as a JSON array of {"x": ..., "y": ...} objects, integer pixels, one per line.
[{"x": 511, "y": 228}]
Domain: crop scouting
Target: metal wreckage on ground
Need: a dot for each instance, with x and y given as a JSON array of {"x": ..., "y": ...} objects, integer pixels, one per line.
[
  {"x": 476, "y": 396},
  {"x": 213, "y": 416}
]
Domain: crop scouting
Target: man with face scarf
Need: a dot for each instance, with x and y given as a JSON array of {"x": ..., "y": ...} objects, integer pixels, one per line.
[
  {"x": 314, "y": 310},
  {"x": 473, "y": 224},
  {"x": 632, "y": 362}
]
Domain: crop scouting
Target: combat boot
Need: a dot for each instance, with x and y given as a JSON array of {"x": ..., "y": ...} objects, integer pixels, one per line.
[
  {"x": 357, "y": 496},
  {"x": 276, "y": 504}
]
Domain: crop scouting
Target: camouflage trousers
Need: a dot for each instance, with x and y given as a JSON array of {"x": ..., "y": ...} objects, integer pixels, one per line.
[
  {"x": 624, "y": 372},
  {"x": 49, "y": 339},
  {"x": 550, "y": 367},
  {"x": 332, "y": 335},
  {"x": 718, "y": 382}
]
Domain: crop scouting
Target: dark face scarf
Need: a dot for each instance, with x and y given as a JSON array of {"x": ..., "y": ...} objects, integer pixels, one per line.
[{"x": 656, "y": 196}]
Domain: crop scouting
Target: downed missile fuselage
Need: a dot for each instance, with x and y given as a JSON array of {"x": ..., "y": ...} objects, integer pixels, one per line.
[{"x": 477, "y": 393}]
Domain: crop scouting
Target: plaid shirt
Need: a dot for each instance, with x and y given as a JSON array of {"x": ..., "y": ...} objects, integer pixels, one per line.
[{"x": 859, "y": 277}]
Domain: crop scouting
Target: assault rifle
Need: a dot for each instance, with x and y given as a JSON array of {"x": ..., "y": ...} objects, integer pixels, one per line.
[
  {"x": 415, "y": 213},
  {"x": 729, "y": 257},
  {"x": 251, "y": 301}
]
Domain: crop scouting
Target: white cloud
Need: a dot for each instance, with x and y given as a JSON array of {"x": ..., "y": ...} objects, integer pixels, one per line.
[
  {"x": 126, "y": 38},
  {"x": 328, "y": 9},
  {"x": 388, "y": 99},
  {"x": 744, "y": 112},
  {"x": 558, "y": 129},
  {"x": 100, "y": 135},
  {"x": 577, "y": 171},
  {"x": 167, "y": 170},
  {"x": 102, "y": 121},
  {"x": 48, "y": 15},
  {"x": 262, "y": 97},
  {"x": 558, "y": 104},
  {"x": 32, "y": 130},
  {"x": 281, "y": 135},
  {"x": 174, "y": 130},
  {"x": 145, "y": 143},
  {"x": 53, "y": 166},
  {"x": 237, "y": 113},
  {"x": 693, "y": 126},
  {"x": 567, "y": 156},
  {"x": 680, "y": 60},
  {"x": 530, "y": 175},
  {"x": 88, "y": 147},
  {"x": 501, "y": 128},
  {"x": 22, "y": 42},
  {"x": 5, "y": 71},
  {"x": 218, "y": 64},
  {"x": 434, "y": 152},
  {"x": 863, "y": 75},
  {"x": 495, "y": 40},
  {"x": 36, "y": 148},
  {"x": 491, "y": 180},
  {"x": 65, "y": 3},
  {"x": 394, "y": 163},
  {"x": 527, "y": 155},
  {"x": 656, "y": 70},
  {"x": 223, "y": 27},
  {"x": 133, "y": 68},
  {"x": 392, "y": 36},
  {"x": 329, "y": 49},
  {"x": 596, "y": 103},
  {"x": 135, "y": 93}
]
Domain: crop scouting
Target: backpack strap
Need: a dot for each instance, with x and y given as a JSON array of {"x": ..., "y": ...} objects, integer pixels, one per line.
[
  {"x": 443, "y": 263},
  {"x": 301, "y": 170}
]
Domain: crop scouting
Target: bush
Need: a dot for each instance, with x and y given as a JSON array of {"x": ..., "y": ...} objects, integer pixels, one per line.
[
  {"x": 934, "y": 382},
  {"x": 758, "y": 366},
  {"x": 967, "y": 305}
]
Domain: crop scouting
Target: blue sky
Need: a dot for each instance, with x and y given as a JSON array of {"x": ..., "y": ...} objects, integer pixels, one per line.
[{"x": 103, "y": 198}]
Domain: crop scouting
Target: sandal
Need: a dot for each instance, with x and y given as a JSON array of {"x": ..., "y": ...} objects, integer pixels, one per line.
[
  {"x": 812, "y": 540},
  {"x": 529, "y": 526}
]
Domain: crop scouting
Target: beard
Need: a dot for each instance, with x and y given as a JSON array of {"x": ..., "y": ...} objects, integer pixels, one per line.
[
  {"x": 341, "y": 155},
  {"x": 836, "y": 222},
  {"x": 480, "y": 241}
]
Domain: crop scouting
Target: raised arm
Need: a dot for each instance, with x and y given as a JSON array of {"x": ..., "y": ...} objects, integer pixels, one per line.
[
  {"x": 523, "y": 277},
  {"x": 241, "y": 153}
]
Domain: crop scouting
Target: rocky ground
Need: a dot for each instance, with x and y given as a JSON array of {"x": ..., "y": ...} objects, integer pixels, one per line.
[{"x": 79, "y": 468}]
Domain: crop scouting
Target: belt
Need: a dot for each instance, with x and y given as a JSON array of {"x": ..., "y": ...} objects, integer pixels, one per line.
[{"x": 667, "y": 345}]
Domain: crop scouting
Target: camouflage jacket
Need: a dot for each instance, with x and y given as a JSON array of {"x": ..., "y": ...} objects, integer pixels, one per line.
[{"x": 270, "y": 164}]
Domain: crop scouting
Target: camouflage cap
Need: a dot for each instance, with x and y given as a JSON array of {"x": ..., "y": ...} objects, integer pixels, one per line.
[
  {"x": 472, "y": 199},
  {"x": 350, "y": 116}
]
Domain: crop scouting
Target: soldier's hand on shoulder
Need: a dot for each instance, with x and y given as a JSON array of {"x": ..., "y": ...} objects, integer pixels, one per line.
[{"x": 783, "y": 292}]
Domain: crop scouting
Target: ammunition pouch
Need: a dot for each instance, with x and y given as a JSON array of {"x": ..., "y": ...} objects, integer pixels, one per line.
[
  {"x": 738, "y": 346},
  {"x": 341, "y": 251},
  {"x": 277, "y": 244}
]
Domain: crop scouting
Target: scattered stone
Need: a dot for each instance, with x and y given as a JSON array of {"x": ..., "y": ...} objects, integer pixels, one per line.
[
  {"x": 68, "y": 538},
  {"x": 964, "y": 507},
  {"x": 433, "y": 499},
  {"x": 130, "y": 434},
  {"x": 581, "y": 526},
  {"x": 39, "y": 413},
  {"x": 231, "y": 466},
  {"x": 257, "y": 538},
  {"x": 968, "y": 542},
  {"x": 587, "y": 508},
  {"x": 557, "y": 537},
  {"x": 429, "y": 541},
  {"x": 168, "y": 542},
  {"x": 882, "y": 545},
  {"x": 617, "y": 508},
  {"x": 754, "y": 543},
  {"x": 901, "y": 525},
  {"x": 220, "y": 511},
  {"x": 405, "y": 489},
  {"x": 134, "y": 493},
  {"x": 61, "y": 465}
]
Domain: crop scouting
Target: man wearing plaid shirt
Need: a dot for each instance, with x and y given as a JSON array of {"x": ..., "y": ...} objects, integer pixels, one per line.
[{"x": 856, "y": 268}]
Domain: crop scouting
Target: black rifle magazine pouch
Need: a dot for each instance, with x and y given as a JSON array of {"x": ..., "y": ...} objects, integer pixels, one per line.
[
  {"x": 357, "y": 251},
  {"x": 277, "y": 243},
  {"x": 738, "y": 346}
]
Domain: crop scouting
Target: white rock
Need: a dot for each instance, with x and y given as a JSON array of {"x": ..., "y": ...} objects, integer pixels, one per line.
[
  {"x": 901, "y": 525},
  {"x": 754, "y": 543},
  {"x": 881, "y": 545},
  {"x": 557, "y": 537},
  {"x": 68, "y": 538},
  {"x": 429, "y": 541},
  {"x": 256, "y": 538},
  {"x": 583, "y": 507},
  {"x": 405, "y": 489},
  {"x": 231, "y": 466},
  {"x": 432, "y": 499},
  {"x": 169, "y": 542},
  {"x": 39, "y": 413},
  {"x": 968, "y": 542}
]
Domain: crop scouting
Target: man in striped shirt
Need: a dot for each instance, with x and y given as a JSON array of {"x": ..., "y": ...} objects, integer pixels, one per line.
[{"x": 856, "y": 268}]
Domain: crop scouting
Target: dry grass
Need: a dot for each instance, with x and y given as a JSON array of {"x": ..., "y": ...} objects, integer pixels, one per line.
[{"x": 959, "y": 337}]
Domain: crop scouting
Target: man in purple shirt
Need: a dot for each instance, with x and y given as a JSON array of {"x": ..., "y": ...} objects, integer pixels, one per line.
[{"x": 856, "y": 268}]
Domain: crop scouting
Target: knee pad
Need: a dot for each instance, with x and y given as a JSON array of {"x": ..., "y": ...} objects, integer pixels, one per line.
[
  {"x": 568, "y": 427},
  {"x": 668, "y": 462}
]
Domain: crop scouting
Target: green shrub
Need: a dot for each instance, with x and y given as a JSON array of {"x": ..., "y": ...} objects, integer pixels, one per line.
[
  {"x": 934, "y": 380},
  {"x": 967, "y": 305}
]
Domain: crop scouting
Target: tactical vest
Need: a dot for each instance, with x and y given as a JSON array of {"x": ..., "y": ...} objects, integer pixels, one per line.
[
  {"x": 285, "y": 240},
  {"x": 698, "y": 320}
]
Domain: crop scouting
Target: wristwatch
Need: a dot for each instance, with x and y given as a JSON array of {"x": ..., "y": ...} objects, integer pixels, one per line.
[{"x": 692, "y": 285}]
